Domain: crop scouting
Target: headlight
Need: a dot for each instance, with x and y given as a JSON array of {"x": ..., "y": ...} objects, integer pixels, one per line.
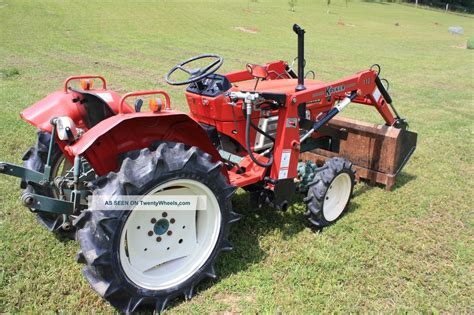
[{"x": 66, "y": 128}]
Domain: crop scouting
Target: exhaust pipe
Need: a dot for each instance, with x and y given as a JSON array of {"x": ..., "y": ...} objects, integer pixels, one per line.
[{"x": 300, "y": 32}]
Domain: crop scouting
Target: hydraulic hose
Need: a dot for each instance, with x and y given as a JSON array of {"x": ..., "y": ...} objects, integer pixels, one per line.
[
  {"x": 262, "y": 132},
  {"x": 247, "y": 143}
]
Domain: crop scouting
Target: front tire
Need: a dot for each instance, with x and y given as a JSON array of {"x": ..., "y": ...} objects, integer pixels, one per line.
[
  {"x": 132, "y": 260},
  {"x": 330, "y": 192}
]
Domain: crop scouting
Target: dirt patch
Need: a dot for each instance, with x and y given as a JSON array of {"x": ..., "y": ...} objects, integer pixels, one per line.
[
  {"x": 251, "y": 30},
  {"x": 460, "y": 46},
  {"x": 232, "y": 301},
  {"x": 342, "y": 23}
]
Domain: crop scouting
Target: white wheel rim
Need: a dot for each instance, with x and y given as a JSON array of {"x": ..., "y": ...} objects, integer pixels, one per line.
[
  {"x": 337, "y": 196},
  {"x": 159, "y": 265}
]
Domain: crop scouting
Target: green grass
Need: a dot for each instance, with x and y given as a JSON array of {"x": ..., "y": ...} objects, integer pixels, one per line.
[
  {"x": 470, "y": 43},
  {"x": 410, "y": 250}
]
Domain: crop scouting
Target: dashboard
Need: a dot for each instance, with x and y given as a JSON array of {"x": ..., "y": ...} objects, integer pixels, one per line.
[{"x": 212, "y": 85}]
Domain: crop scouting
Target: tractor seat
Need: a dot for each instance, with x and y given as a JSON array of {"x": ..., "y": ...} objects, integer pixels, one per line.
[{"x": 93, "y": 108}]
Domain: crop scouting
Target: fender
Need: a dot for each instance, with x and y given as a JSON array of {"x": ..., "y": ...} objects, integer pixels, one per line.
[
  {"x": 103, "y": 144},
  {"x": 60, "y": 103}
]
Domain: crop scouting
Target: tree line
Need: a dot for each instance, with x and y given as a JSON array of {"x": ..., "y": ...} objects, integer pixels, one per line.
[{"x": 466, "y": 6}]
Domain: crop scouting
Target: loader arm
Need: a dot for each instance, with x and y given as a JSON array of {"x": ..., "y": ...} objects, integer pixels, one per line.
[
  {"x": 378, "y": 152},
  {"x": 368, "y": 92}
]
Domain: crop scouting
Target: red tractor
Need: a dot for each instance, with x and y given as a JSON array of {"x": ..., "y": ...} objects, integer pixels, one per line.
[{"x": 247, "y": 129}]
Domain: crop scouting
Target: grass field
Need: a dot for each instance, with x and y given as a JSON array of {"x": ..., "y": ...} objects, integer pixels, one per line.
[{"x": 410, "y": 250}]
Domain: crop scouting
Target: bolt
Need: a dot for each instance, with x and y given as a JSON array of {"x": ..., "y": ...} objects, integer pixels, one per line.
[
  {"x": 28, "y": 201},
  {"x": 295, "y": 145},
  {"x": 164, "y": 214},
  {"x": 172, "y": 221},
  {"x": 153, "y": 221},
  {"x": 43, "y": 182},
  {"x": 66, "y": 226},
  {"x": 150, "y": 233},
  {"x": 158, "y": 239},
  {"x": 169, "y": 233}
]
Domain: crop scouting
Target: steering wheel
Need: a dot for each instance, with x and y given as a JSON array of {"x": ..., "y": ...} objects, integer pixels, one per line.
[{"x": 195, "y": 74}]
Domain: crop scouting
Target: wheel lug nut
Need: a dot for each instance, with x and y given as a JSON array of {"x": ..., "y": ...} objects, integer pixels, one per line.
[
  {"x": 164, "y": 214},
  {"x": 153, "y": 221},
  {"x": 150, "y": 233},
  {"x": 172, "y": 221},
  {"x": 169, "y": 233},
  {"x": 158, "y": 239}
]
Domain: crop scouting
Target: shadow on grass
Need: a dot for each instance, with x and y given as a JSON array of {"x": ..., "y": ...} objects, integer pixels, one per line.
[
  {"x": 256, "y": 223},
  {"x": 245, "y": 234},
  {"x": 364, "y": 187},
  {"x": 402, "y": 179},
  {"x": 64, "y": 239}
]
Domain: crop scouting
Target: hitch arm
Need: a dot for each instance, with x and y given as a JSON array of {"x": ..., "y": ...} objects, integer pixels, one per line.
[
  {"x": 21, "y": 172},
  {"x": 48, "y": 204}
]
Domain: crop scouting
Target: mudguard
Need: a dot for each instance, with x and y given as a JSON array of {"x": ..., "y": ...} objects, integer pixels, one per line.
[
  {"x": 103, "y": 144},
  {"x": 60, "y": 103}
]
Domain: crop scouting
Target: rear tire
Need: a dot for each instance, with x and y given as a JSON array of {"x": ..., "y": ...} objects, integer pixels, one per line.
[
  {"x": 330, "y": 192},
  {"x": 35, "y": 159},
  {"x": 124, "y": 251}
]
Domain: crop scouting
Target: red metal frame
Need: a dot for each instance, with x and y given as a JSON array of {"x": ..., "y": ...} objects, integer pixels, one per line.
[
  {"x": 103, "y": 144},
  {"x": 80, "y": 77},
  {"x": 145, "y": 93},
  {"x": 215, "y": 111}
]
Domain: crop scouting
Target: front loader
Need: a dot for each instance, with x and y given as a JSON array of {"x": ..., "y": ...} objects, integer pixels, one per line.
[{"x": 100, "y": 156}]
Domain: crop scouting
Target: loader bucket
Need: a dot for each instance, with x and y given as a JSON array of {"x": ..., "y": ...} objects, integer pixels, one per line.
[{"x": 378, "y": 152}]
